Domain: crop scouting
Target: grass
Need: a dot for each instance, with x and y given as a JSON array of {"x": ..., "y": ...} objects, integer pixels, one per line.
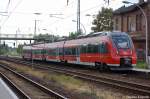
[
  {"x": 142, "y": 65},
  {"x": 12, "y": 53},
  {"x": 69, "y": 82}
]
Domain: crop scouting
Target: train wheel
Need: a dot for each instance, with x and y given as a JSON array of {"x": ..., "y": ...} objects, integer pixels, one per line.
[
  {"x": 99, "y": 66},
  {"x": 105, "y": 67}
]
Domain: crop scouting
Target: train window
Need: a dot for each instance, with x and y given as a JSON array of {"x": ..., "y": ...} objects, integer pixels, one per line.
[
  {"x": 68, "y": 51},
  {"x": 52, "y": 52},
  {"x": 33, "y": 51},
  {"x": 73, "y": 51},
  {"x": 57, "y": 51},
  {"x": 103, "y": 48},
  {"x": 46, "y": 51},
  {"x": 60, "y": 51},
  {"x": 95, "y": 48},
  {"x": 49, "y": 52},
  {"x": 36, "y": 51},
  {"x": 77, "y": 51},
  {"x": 43, "y": 51},
  {"x": 121, "y": 42},
  {"x": 83, "y": 49},
  {"x": 39, "y": 51},
  {"x": 92, "y": 48},
  {"x": 89, "y": 49}
]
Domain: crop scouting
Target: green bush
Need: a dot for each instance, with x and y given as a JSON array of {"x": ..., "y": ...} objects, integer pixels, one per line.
[{"x": 142, "y": 65}]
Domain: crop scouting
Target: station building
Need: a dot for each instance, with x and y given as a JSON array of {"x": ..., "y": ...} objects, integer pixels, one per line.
[{"x": 131, "y": 20}]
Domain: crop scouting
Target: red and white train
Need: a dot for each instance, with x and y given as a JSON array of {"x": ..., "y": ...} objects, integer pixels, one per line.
[{"x": 107, "y": 50}]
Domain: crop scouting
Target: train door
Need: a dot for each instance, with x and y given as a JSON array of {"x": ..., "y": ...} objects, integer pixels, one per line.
[
  {"x": 44, "y": 54},
  {"x": 78, "y": 54},
  {"x": 103, "y": 51},
  {"x": 57, "y": 54},
  {"x": 60, "y": 54}
]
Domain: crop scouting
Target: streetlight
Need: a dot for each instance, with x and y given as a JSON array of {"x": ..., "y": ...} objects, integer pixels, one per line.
[
  {"x": 35, "y": 23},
  {"x": 146, "y": 26},
  {"x": 52, "y": 36},
  {"x": 47, "y": 30},
  {"x": 90, "y": 15},
  {"x": 51, "y": 15},
  {"x": 82, "y": 26},
  {"x": 31, "y": 55}
]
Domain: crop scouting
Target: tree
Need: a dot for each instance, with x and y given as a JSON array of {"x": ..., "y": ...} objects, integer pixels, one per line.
[
  {"x": 73, "y": 35},
  {"x": 103, "y": 20},
  {"x": 3, "y": 49},
  {"x": 46, "y": 38},
  {"x": 19, "y": 49}
]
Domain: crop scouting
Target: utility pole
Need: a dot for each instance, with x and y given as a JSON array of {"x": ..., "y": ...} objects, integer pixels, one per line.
[
  {"x": 0, "y": 39},
  {"x": 17, "y": 32},
  {"x": 78, "y": 17},
  {"x": 35, "y": 22},
  {"x": 0, "y": 34}
]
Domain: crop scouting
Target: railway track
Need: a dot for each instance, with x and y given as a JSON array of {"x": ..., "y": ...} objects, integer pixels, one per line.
[
  {"x": 20, "y": 94},
  {"x": 130, "y": 86},
  {"x": 38, "y": 91}
]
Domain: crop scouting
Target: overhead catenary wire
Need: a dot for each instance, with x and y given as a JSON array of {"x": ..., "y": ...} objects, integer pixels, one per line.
[
  {"x": 11, "y": 12},
  {"x": 63, "y": 18},
  {"x": 8, "y": 5},
  {"x": 76, "y": 13}
]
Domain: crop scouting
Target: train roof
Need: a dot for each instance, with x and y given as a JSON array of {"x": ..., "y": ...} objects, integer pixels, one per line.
[
  {"x": 26, "y": 47},
  {"x": 54, "y": 44},
  {"x": 118, "y": 34},
  {"x": 83, "y": 41},
  {"x": 104, "y": 33},
  {"x": 37, "y": 46},
  {"x": 93, "y": 38}
]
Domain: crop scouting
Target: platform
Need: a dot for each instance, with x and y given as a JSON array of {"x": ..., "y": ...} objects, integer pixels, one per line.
[
  {"x": 141, "y": 70},
  {"x": 6, "y": 92}
]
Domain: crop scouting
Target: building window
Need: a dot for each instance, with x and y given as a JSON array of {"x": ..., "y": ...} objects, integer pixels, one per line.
[
  {"x": 139, "y": 22},
  {"x": 116, "y": 24},
  {"x": 131, "y": 24}
]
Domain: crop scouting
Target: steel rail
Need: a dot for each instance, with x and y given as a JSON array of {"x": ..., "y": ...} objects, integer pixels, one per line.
[
  {"x": 135, "y": 87},
  {"x": 41, "y": 87},
  {"x": 20, "y": 94}
]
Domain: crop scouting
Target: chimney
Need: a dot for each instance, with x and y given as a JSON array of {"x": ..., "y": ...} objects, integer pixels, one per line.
[{"x": 141, "y": 1}]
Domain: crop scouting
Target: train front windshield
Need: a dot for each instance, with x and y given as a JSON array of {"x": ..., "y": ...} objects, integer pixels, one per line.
[{"x": 121, "y": 41}]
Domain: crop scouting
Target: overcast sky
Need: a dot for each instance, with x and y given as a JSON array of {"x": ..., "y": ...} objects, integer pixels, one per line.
[{"x": 21, "y": 15}]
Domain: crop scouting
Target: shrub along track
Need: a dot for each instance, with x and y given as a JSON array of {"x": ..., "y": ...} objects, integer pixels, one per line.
[
  {"x": 126, "y": 85},
  {"x": 33, "y": 89}
]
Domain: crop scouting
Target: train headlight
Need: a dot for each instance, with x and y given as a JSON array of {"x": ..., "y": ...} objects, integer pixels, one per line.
[
  {"x": 131, "y": 52},
  {"x": 117, "y": 52}
]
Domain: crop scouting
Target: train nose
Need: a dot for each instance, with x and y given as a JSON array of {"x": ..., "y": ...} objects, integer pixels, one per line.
[{"x": 125, "y": 52}]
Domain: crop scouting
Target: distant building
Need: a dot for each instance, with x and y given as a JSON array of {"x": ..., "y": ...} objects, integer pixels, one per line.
[{"x": 131, "y": 20}]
